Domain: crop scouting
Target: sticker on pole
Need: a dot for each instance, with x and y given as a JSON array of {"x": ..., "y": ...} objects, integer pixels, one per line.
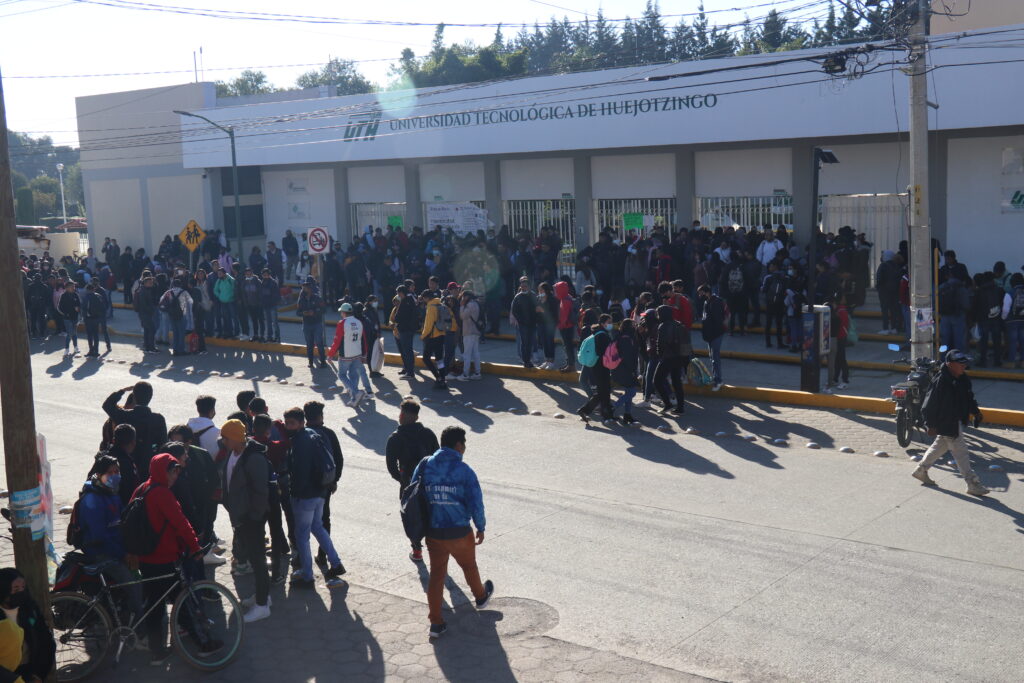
[{"x": 318, "y": 240}]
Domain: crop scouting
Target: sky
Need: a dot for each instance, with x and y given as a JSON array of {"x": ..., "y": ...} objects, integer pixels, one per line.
[{"x": 58, "y": 38}]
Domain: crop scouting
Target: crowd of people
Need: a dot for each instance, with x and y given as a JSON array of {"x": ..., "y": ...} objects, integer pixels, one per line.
[{"x": 275, "y": 478}]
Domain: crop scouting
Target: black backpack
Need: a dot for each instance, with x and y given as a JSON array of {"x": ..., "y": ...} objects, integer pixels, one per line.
[
  {"x": 775, "y": 292},
  {"x": 949, "y": 297},
  {"x": 76, "y": 534},
  {"x": 139, "y": 536},
  {"x": 171, "y": 305},
  {"x": 324, "y": 468},
  {"x": 415, "y": 510}
]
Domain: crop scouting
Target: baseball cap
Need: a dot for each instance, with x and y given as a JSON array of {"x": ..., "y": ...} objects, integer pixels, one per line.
[
  {"x": 346, "y": 308},
  {"x": 453, "y": 285},
  {"x": 957, "y": 356}
]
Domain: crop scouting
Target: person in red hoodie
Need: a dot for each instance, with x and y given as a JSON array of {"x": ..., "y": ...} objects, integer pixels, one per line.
[
  {"x": 177, "y": 538},
  {"x": 566, "y": 324}
]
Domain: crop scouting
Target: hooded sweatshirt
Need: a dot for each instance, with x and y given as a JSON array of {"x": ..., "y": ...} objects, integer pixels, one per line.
[
  {"x": 165, "y": 514},
  {"x": 100, "y": 512},
  {"x": 565, "y": 304}
]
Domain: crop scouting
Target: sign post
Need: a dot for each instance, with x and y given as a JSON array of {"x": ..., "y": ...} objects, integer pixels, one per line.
[{"x": 318, "y": 241}]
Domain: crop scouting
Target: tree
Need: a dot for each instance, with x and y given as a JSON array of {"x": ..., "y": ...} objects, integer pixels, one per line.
[
  {"x": 652, "y": 35},
  {"x": 827, "y": 33},
  {"x": 18, "y": 180},
  {"x": 249, "y": 82},
  {"x": 341, "y": 73},
  {"x": 603, "y": 42},
  {"x": 25, "y": 208},
  {"x": 777, "y": 33},
  {"x": 681, "y": 44}
]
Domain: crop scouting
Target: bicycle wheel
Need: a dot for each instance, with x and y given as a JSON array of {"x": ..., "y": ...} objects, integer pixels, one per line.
[
  {"x": 206, "y": 625},
  {"x": 82, "y": 631}
]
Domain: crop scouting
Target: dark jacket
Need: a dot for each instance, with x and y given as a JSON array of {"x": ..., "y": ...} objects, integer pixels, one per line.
[
  {"x": 625, "y": 373},
  {"x": 407, "y": 317},
  {"x": 406, "y": 447},
  {"x": 300, "y": 464},
  {"x": 950, "y": 403},
  {"x": 310, "y": 309},
  {"x": 246, "y": 496},
  {"x": 69, "y": 306},
  {"x": 270, "y": 292},
  {"x": 99, "y": 514},
  {"x": 713, "y": 322},
  {"x": 150, "y": 429},
  {"x": 165, "y": 516},
  {"x": 328, "y": 435},
  {"x": 129, "y": 474},
  {"x": 524, "y": 308}
]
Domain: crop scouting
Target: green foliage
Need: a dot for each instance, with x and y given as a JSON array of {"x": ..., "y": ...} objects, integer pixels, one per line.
[
  {"x": 24, "y": 207},
  {"x": 18, "y": 180},
  {"x": 249, "y": 82},
  {"x": 340, "y": 73}
]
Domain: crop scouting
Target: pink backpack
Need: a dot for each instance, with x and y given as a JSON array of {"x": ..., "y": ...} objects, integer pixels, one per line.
[{"x": 611, "y": 358}]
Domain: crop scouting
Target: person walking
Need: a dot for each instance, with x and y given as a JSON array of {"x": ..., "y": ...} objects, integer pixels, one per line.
[
  {"x": 713, "y": 330},
  {"x": 94, "y": 309},
  {"x": 436, "y": 323},
  {"x": 472, "y": 330},
  {"x": 70, "y": 306},
  {"x": 599, "y": 374},
  {"x": 947, "y": 408},
  {"x": 348, "y": 339},
  {"x": 245, "y": 476},
  {"x": 404, "y": 319},
  {"x": 406, "y": 447},
  {"x": 307, "y": 498},
  {"x": 671, "y": 341},
  {"x": 310, "y": 308},
  {"x": 625, "y": 373},
  {"x": 455, "y": 499},
  {"x": 314, "y": 412}
]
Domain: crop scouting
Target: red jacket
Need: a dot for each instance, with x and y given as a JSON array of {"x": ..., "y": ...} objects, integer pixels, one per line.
[
  {"x": 277, "y": 450},
  {"x": 164, "y": 509},
  {"x": 564, "y": 305},
  {"x": 682, "y": 309},
  {"x": 844, "y": 322}
]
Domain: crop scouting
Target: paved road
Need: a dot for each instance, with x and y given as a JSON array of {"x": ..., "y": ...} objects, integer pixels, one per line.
[{"x": 626, "y": 554}]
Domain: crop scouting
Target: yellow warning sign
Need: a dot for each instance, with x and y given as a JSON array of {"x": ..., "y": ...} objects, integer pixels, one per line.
[{"x": 192, "y": 236}]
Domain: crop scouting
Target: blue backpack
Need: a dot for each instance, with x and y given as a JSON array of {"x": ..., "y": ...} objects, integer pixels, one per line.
[
  {"x": 415, "y": 509},
  {"x": 587, "y": 355}
]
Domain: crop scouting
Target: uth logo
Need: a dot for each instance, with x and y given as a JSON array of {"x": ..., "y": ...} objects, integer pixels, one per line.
[
  {"x": 362, "y": 126},
  {"x": 1017, "y": 201}
]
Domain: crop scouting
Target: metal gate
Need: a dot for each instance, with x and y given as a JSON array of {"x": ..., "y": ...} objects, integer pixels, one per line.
[
  {"x": 375, "y": 214},
  {"x": 608, "y": 213},
  {"x": 715, "y": 212},
  {"x": 883, "y": 218},
  {"x": 533, "y": 214}
]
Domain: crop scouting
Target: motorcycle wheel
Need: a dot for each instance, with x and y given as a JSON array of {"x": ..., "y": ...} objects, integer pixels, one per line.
[{"x": 903, "y": 427}]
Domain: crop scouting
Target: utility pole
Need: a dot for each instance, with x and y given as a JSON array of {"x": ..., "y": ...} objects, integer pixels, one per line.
[
  {"x": 19, "y": 423},
  {"x": 922, "y": 337}
]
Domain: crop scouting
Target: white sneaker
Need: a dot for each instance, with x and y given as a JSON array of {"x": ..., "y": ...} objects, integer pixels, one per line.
[
  {"x": 461, "y": 378},
  {"x": 842, "y": 385},
  {"x": 251, "y": 601},
  {"x": 360, "y": 395},
  {"x": 716, "y": 386},
  {"x": 476, "y": 376},
  {"x": 256, "y": 613},
  {"x": 213, "y": 560}
]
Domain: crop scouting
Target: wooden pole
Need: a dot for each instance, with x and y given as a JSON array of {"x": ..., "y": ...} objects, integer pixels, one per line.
[{"x": 19, "y": 422}]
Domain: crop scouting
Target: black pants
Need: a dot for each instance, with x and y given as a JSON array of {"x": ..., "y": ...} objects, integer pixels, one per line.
[
  {"x": 256, "y": 316},
  {"x": 842, "y": 367},
  {"x": 671, "y": 369},
  {"x": 126, "y": 285},
  {"x": 37, "y": 321},
  {"x": 148, "y": 331},
  {"x": 774, "y": 314},
  {"x": 250, "y": 537},
  {"x": 278, "y": 538},
  {"x": 405, "y": 348},
  {"x": 738, "y": 308},
  {"x": 434, "y": 349},
  {"x": 92, "y": 334},
  {"x": 602, "y": 380},
  {"x": 754, "y": 305},
  {"x": 569, "y": 344},
  {"x": 156, "y": 620}
]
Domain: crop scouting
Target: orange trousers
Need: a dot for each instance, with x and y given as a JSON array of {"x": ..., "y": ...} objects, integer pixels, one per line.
[{"x": 464, "y": 551}]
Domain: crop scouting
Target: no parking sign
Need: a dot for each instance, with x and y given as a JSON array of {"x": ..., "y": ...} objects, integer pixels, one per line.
[{"x": 318, "y": 240}]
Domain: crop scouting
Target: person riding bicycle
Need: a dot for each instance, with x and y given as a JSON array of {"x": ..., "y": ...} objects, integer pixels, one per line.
[
  {"x": 99, "y": 507},
  {"x": 176, "y": 537}
]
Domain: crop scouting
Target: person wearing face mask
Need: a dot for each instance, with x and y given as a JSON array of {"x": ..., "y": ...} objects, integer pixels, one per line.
[
  {"x": 99, "y": 509},
  {"x": 599, "y": 374},
  {"x": 27, "y": 648}
]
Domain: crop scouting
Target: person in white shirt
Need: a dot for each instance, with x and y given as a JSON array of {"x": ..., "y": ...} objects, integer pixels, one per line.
[
  {"x": 351, "y": 342},
  {"x": 204, "y": 431},
  {"x": 767, "y": 250}
]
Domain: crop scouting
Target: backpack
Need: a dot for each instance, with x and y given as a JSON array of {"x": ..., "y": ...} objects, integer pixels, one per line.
[
  {"x": 76, "y": 534},
  {"x": 443, "y": 322},
  {"x": 139, "y": 536},
  {"x": 611, "y": 357},
  {"x": 697, "y": 373},
  {"x": 735, "y": 281},
  {"x": 415, "y": 509},
  {"x": 1017, "y": 304},
  {"x": 171, "y": 305},
  {"x": 949, "y": 297},
  {"x": 775, "y": 292},
  {"x": 994, "y": 302},
  {"x": 587, "y": 355},
  {"x": 324, "y": 468}
]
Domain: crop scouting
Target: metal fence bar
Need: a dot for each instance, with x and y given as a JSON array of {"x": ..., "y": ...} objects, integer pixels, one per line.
[
  {"x": 376, "y": 214},
  {"x": 745, "y": 211}
]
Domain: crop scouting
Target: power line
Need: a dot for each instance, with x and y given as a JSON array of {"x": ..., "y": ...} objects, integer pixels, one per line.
[{"x": 188, "y": 71}]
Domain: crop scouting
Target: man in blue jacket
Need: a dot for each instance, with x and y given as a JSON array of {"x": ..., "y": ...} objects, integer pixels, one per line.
[{"x": 455, "y": 498}]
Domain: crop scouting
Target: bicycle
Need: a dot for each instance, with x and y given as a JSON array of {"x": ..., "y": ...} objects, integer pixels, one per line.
[{"x": 204, "y": 615}]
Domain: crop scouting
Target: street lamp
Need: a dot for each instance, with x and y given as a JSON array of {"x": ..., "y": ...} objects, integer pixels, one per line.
[
  {"x": 230, "y": 130},
  {"x": 63, "y": 206},
  {"x": 810, "y": 365}
]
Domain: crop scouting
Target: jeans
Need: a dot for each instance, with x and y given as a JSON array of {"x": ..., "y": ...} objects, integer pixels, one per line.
[
  {"x": 953, "y": 331},
  {"x": 148, "y": 332},
  {"x": 255, "y": 316},
  {"x": 362, "y": 375},
  {"x": 715, "y": 351},
  {"x": 308, "y": 516},
  {"x": 314, "y": 335},
  {"x": 163, "y": 327},
  {"x": 451, "y": 342},
  {"x": 840, "y": 368},
  {"x": 991, "y": 329},
  {"x": 526, "y": 339},
  {"x": 774, "y": 316},
  {"x": 464, "y": 551},
  {"x": 92, "y": 334},
  {"x": 433, "y": 348},
  {"x": 625, "y": 401},
  {"x": 1015, "y": 335},
  {"x": 156, "y": 620},
  {"x": 670, "y": 370},
  {"x": 37, "y": 321},
  {"x": 471, "y": 354},
  {"x": 545, "y": 336},
  {"x": 178, "y": 329},
  {"x": 649, "y": 388},
  {"x": 200, "y": 318},
  {"x": 71, "y": 329},
  {"x": 106, "y": 333},
  {"x": 348, "y": 373},
  {"x": 796, "y": 332},
  {"x": 906, "y": 321},
  {"x": 213, "y": 320},
  {"x": 227, "y": 319},
  {"x": 405, "y": 349},
  {"x": 270, "y": 324}
]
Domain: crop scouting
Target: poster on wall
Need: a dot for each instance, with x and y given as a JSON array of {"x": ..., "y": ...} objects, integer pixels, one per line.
[
  {"x": 462, "y": 217},
  {"x": 298, "y": 186},
  {"x": 395, "y": 221},
  {"x": 298, "y": 211}
]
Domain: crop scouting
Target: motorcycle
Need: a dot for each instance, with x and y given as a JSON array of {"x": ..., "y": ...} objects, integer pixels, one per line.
[{"x": 909, "y": 396}]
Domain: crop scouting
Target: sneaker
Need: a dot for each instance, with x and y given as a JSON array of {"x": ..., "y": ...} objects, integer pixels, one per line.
[
  {"x": 716, "y": 386},
  {"x": 321, "y": 559},
  {"x": 679, "y": 409},
  {"x": 251, "y": 601},
  {"x": 461, "y": 378},
  {"x": 213, "y": 560},
  {"x": 975, "y": 488},
  {"x": 628, "y": 419},
  {"x": 842, "y": 385},
  {"x": 241, "y": 569},
  {"x": 475, "y": 377},
  {"x": 440, "y": 384},
  {"x": 921, "y": 474},
  {"x": 299, "y": 581},
  {"x": 437, "y": 630},
  {"x": 608, "y": 421},
  {"x": 335, "y": 572},
  {"x": 488, "y": 592},
  {"x": 219, "y": 546},
  {"x": 357, "y": 399},
  {"x": 416, "y": 555},
  {"x": 257, "y": 613}
]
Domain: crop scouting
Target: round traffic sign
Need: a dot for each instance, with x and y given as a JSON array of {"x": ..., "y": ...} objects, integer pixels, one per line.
[{"x": 318, "y": 240}]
